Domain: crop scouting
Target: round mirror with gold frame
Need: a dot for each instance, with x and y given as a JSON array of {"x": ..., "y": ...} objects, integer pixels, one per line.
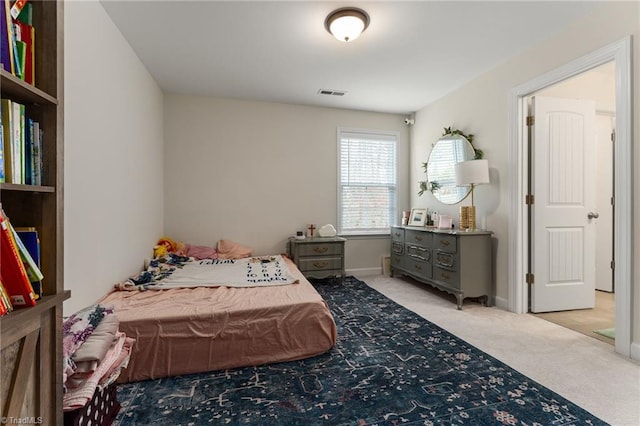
[{"x": 441, "y": 180}]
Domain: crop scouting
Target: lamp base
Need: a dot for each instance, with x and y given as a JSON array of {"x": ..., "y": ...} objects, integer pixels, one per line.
[
  {"x": 464, "y": 217},
  {"x": 467, "y": 218}
]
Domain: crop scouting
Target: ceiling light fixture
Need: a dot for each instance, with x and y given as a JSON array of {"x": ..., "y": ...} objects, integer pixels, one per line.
[{"x": 347, "y": 23}]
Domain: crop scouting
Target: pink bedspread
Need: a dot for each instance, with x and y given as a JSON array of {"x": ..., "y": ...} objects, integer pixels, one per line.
[{"x": 191, "y": 330}]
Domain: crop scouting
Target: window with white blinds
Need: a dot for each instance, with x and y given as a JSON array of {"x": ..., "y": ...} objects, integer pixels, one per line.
[{"x": 367, "y": 182}]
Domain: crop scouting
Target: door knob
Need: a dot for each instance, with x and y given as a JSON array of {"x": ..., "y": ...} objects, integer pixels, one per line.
[{"x": 593, "y": 215}]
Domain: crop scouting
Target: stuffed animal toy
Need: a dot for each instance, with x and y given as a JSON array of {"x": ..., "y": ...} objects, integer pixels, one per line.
[{"x": 166, "y": 245}]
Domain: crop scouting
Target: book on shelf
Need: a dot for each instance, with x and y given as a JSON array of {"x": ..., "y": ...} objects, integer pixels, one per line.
[
  {"x": 12, "y": 269},
  {"x": 22, "y": 145},
  {"x": 7, "y": 124},
  {"x": 21, "y": 142},
  {"x": 17, "y": 39},
  {"x": 30, "y": 264},
  {"x": 28, "y": 152},
  {"x": 37, "y": 153},
  {"x": 14, "y": 47},
  {"x": 1, "y": 148},
  {"x": 17, "y": 7},
  {"x": 26, "y": 14},
  {"x": 21, "y": 48},
  {"x": 17, "y": 115},
  {"x": 30, "y": 240},
  {"x": 25, "y": 37},
  {"x": 5, "y": 302},
  {"x": 6, "y": 48}
]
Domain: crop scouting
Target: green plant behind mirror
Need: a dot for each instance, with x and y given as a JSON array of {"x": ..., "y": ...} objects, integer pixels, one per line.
[
  {"x": 448, "y": 131},
  {"x": 452, "y": 147},
  {"x": 427, "y": 186}
]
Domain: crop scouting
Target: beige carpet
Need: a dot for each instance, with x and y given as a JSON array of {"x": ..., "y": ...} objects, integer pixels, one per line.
[
  {"x": 585, "y": 321},
  {"x": 584, "y": 370}
]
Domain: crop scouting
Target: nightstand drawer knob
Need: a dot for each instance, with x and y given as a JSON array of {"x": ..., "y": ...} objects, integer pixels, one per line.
[
  {"x": 321, "y": 249},
  {"x": 320, "y": 265},
  {"x": 444, "y": 243}
]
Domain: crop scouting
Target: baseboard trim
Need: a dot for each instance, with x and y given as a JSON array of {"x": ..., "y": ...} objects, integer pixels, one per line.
[
  {"x": 634, "y": 353},
  {"x": 501, "y": 303}
]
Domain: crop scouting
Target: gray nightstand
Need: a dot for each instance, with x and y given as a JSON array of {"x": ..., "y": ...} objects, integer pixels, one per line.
[{"x": 318, "y": 257}]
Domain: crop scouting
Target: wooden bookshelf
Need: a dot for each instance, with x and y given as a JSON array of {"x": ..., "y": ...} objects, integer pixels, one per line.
[{"x": 31, "y": 338}]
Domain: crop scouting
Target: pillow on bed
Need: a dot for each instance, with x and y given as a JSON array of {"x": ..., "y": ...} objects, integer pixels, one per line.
[
  {"x": 200, "y": 252},
  {"x": 230, "y": 250}
]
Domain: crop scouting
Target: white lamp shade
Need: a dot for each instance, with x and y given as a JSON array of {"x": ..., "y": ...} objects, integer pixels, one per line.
[{"x": 474, "y": 172}]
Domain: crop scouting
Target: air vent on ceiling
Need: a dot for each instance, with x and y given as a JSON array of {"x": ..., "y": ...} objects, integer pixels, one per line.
[{"x": 331, "y": 92}]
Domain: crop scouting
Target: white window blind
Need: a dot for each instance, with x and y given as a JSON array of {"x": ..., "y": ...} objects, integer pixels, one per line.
[{"x": 367, "y": 182}]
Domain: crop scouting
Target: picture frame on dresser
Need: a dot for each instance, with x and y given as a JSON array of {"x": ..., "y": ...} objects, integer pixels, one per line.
[{"x": 417, "y": 217}]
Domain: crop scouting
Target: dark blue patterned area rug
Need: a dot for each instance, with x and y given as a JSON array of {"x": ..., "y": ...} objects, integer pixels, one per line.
[{"x": 389, "y": 366}]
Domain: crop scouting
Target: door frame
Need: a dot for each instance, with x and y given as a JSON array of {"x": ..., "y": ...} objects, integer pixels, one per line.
[{"x": 620, "y": 52}]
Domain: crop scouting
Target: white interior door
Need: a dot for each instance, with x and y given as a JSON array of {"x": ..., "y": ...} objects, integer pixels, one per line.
[
  {"x": 605, "y": 124},
  {"x": 563, "y": 214}
]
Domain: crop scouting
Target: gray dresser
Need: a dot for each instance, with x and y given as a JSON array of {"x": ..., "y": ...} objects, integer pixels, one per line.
[
  {"x": 318, "y": 257},
  {"x": 458, "y": 262}
]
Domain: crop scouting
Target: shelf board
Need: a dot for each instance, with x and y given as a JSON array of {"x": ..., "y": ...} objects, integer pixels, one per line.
[
  {"x": 21, "y": 91},
  {"x": 12, "y": 323},
  {"x": 26, "y": 188}
]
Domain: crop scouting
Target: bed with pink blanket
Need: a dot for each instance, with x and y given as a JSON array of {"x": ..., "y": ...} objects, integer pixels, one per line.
[{"x": 212, "y": 327}]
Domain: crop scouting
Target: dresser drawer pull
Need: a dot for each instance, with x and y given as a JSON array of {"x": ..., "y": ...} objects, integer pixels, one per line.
[
  {"x": 445, "y": 277},
  {"x": 321, "y": 249},
  {"x": 397, "y": 234},
  {"x": 417, "y": 256},
  {"x": 444, "y": 243},
  {"x": 417, "y": 267},
  {"x": 417, "y": 237},
  {"x": 445, "y": 260},
  {"x": 320, "y": 265}
]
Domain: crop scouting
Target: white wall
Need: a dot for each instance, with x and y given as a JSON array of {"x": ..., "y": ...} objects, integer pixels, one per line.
[
  {"x": 598, "y": 85},
  {"x": 255, "y": 172},
  {"x": 480, "y": 107},
  {"x": 113, "y": 157}
]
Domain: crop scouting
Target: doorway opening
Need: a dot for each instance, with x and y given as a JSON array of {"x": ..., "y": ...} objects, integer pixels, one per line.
[
  {"x": 587, "y": 321},
  {"x": 620, "y": 53},
  {"x": 594, "y": 89}
]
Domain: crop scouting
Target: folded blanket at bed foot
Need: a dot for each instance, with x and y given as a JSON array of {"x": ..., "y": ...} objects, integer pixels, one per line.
[{"x": 94, "y": 354}]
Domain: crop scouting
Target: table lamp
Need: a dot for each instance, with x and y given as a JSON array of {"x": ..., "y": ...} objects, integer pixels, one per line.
[{"x": 471, "y": 173}]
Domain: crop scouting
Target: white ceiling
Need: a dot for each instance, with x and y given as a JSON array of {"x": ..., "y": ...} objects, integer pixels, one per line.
[{"x": 412, "y": 53}]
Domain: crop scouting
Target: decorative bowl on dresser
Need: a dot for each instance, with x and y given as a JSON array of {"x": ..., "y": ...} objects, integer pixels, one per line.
[
  {"x": 318, "y": 257},
  {"x": 458, "y": 262}
]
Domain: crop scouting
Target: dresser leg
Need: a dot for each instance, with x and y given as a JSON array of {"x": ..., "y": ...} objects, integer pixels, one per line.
[{"x": 459, "y": 298}]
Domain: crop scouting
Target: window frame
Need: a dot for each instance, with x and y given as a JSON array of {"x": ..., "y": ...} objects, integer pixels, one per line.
[{"x": 383, "y": 133}]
